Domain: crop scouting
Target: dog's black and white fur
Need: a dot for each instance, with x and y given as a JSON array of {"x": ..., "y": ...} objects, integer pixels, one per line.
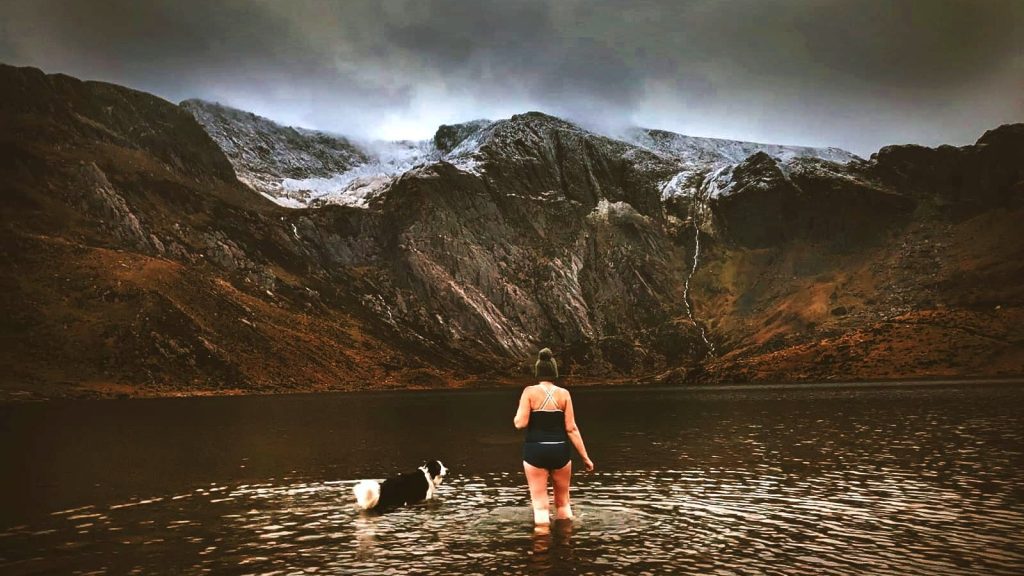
[{"x": 402, "y": 489}]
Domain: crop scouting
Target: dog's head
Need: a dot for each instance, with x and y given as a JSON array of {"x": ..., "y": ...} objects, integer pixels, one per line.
[{"x": 437, "y": 471}]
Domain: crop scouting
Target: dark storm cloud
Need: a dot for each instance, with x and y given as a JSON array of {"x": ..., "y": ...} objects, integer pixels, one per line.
[
  {"x": 156, "y": 41},
  {"x": 239, "y": 51},
  {"x": 524, "y": 46},
  {"x": 853, "y": 74}
]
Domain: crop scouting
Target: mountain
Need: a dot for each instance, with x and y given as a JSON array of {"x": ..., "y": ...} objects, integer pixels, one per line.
[{"x": 136, "y": 262}]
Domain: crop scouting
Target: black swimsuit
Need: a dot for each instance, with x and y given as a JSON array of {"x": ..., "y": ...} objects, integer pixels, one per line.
[{"x": 547, "y": 444}]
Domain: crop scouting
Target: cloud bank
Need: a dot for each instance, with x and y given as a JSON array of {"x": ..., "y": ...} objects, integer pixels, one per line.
[{"x": 827, "y": 73}]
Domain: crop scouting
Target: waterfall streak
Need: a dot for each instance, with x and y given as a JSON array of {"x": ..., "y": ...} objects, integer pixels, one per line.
[
  {"x": 695, "y": 220},
  {"x": 686, "y": 294}
]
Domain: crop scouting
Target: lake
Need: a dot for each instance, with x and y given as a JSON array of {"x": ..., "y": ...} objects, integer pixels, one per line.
[{"x": 752, "y": 480}]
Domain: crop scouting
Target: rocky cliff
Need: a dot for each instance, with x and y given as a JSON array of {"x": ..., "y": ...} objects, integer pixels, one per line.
[
  {"x": 137, "y": 263},
  {"x": 265, "y": 155}
]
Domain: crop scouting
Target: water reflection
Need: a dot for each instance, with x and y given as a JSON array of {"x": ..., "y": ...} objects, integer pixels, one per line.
[
  {"x": 366, "y": 536},
  {"x": 552, "y": 546}
]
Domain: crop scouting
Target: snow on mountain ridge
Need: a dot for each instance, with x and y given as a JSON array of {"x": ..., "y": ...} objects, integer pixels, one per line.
[
  {"x": 709, "y": 161},
  {"x": 699, "y": 148},
  {"x": 296, "y": 167}
]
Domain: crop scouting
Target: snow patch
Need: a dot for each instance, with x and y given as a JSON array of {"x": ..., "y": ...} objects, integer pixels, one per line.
[
  {"x": 355, "y": 187},
  {"x": 387, "y": 161}
]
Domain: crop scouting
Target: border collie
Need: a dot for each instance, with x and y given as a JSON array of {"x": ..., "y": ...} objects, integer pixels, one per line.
[{"x": 402, "y": 489}]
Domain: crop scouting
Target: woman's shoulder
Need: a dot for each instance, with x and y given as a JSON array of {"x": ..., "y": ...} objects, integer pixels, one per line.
[
  {"x": 539, "y": 390},
  {"x": 533, "y": 390}
]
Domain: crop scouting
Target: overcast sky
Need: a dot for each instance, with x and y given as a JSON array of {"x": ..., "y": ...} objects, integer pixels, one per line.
[{"x": 857, "y": 75}]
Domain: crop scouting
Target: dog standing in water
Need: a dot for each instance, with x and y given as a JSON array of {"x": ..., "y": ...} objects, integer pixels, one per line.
[{"x": 403, "y": 489}]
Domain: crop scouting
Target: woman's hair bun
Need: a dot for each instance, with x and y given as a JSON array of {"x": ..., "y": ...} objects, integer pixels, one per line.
[{"x": 545, "y": 367}]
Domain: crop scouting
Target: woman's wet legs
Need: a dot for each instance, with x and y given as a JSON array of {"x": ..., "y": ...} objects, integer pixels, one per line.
[
  {"x": 561, "y": 478},
  {"x": 537, "y": 478}
]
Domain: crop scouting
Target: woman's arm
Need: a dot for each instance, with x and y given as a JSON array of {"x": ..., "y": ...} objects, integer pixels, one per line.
[
  {"x": 574, "y": 433},
  {"x": 523, "y": 413}
]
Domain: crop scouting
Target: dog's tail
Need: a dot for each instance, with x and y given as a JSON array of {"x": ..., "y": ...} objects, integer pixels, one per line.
[{"x": 367, "y": 493}]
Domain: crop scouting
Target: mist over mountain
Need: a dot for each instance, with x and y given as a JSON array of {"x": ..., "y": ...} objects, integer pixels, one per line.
[{"x": 153, "y": 248}]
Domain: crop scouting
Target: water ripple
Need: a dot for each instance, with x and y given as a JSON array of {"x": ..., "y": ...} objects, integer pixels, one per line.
[
  {"x": 931, "y": 491},
  {"x": 633, "y": 522}
]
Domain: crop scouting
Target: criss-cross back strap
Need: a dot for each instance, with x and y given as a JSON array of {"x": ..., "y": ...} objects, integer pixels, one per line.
[{"x": 550, "y": 397}]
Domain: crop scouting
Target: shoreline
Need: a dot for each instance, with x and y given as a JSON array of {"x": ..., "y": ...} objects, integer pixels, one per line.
[{"x": 17, "y": 397}]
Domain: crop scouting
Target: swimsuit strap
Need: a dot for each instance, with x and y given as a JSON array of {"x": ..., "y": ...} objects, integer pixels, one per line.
[{"x": 550, "y": 396}]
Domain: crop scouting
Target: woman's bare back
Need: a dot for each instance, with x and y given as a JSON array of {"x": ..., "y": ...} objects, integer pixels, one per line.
[{"x": 538, "y": 394}]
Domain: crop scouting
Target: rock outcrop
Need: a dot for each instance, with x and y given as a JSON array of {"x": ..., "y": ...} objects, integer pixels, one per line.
[
  {"x": 965, "y": 180},
  {"x": 769, "y": 203}
]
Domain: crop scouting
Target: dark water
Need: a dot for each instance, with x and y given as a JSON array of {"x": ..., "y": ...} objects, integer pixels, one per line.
[{"x": 908, "y": 480}]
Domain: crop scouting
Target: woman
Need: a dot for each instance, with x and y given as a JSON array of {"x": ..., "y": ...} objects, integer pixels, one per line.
[{"x": 545, "y": 410}]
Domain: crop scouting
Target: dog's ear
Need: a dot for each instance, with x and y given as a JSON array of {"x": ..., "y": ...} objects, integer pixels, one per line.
[{"x": 434, "y": 467}]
